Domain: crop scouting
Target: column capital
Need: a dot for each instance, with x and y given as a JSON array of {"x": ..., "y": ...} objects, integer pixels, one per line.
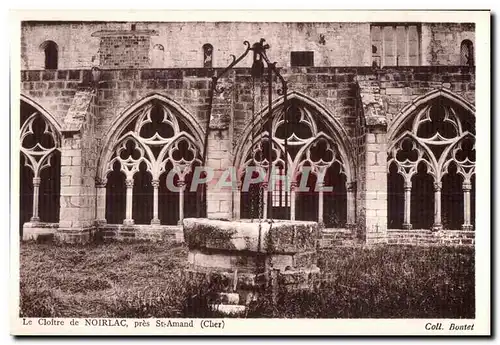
[
  {"x": 100, "y": 182},
  {"x": 129, "y": 183},
  {"x": 350, "y": 186},
  {"x": 36, "y": 181},
  {"x": 437, "y": 186},
  {"x": 181, "y": 183},
  {"x": 155, "y": 183},
  {"x": 407, "y": 185},
  {"x": 466, "y": 186}
]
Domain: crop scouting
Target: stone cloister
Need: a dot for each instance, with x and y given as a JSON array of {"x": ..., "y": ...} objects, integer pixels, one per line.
[{"x": 375, "y": 153}]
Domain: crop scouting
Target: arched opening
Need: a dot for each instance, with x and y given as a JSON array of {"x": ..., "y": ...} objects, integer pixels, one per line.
[
  {"x": 51, "y": 54},
  {"x": 142, "y": 204},
  {"x": 317, "y": 167},
  {"x": 422, "y": 199},
  {"x": 168, "y": 198},
  {"x": 25, "y": 194},
  {"x": 115, "y": 195},
  {"x": 466, "y": 53},
  {"x": 335, "y": 201},
  {"x": 151, "y": 163},
  {"x": 251, "y": 196},
  {"x": 40, "y": 167},
  {"x": 453, "y": 200},
  {"x": 395, "y": 198},
  {"x": 208, "y": 51},
  {"x": 158, "y": 56},
  {"x": 433, "y": 151},
  {"x": 307, "y": 198}
]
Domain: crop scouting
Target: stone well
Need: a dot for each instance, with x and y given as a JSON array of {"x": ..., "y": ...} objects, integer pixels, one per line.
[{"x": 249, "y": 256}]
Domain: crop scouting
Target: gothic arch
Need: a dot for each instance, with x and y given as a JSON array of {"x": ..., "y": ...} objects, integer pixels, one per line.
[
  {"x": 401, "y": 118},
  {"x": 319, "y": 155},
  {"x": 40, "y": 164},
  {"x": 338, "y": 134},
  {"x": 431, "y": 145},
  {"x": 130, "y": 114},
  {"x": 52, "y": 120}
]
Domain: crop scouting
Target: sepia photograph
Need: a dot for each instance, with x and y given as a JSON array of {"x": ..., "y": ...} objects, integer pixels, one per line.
[{"x": 172, "y": 171}]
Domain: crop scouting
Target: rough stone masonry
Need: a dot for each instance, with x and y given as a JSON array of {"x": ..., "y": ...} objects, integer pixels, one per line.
[{"x": 360, "y": 89}]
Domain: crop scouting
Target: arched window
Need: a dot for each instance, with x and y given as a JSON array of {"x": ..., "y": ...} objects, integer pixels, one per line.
[
  {"x": 149, "y": 174},
  {"x": 316, "y": 167},
  {"x": 51, "y": 54},
  {"x": 208, "y": 51},
  {"x": 467, "y": 53},
  {"x": 431, "y": 168},
  {"x": 40, "y": 167},
  {"x": 158, "y": 56}
]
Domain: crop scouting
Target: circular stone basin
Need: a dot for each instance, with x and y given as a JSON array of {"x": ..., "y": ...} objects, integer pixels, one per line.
[{"x": 277, "y": 236}]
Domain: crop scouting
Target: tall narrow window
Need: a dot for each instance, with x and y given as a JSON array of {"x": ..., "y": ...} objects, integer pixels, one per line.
[
  {"x": 158, "y": 56},
  {"x": 466, "y": 53},
  {"x": 51, "y": 54},
  {"x": 395, "y": 45},
  {"x": 208, "y": 51}
]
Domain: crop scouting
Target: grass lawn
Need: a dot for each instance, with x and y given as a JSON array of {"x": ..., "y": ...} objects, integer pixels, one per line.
[{"x": 145, "y": 280}]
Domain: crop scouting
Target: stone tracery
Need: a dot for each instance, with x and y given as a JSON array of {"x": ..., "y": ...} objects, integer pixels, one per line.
[
  {"x": 157, "y": 140},
  {"x": 438, "y": 135},
  {"x": 310, "y": 146},
  {"x": 40, "y": 144}
]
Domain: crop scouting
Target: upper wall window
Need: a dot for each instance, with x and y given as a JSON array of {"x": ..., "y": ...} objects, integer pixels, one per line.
[
  {"x": 395, "y": 45},
  {"x": 51, "y": 54},
  {"x": 158, "y": 56},
  {"x": 302, "y": 59},
  {"x": 208, "y": 51},
  {"x": 467, "y": 53}
]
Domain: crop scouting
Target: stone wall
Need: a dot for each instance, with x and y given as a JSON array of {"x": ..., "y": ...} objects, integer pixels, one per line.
[
  {"x": 82, "y": 45},
  {"x": 441, "y": 42},
  {"x": 362, "y": 100}
]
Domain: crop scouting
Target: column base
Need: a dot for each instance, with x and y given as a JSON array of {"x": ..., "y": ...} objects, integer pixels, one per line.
[
  {"x": 99, "y": 222},
  {"x": 155, "y": 221},
  {"x": 467, "y": 227},
  {"x": 128, "y": 222},
  {"x": 350, "y": 226},
  {"x": 437, "y": 227},
  {"x": 407, "y": 226},
  {"x": 35, "y": 219},
  {"x": 37, "y": 231}
]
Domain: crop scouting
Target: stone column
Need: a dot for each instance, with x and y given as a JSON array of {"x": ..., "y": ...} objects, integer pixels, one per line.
[
  {"x": 237, "y": 201},
  {"x": 407, "y": 210},
  {"x": 265, "y": 199},
  {"x": 437, "y": 207},
  {"x": 181, "y": 184},
  {"x": 156, "y": 185},
  {"x": 320, "y": 201},
  {"x": 466, "y": 187},
  {"x": 100, "y": 185},
  {"x": 36, "y": 199},
  {"x": 351, "y": 204},
  {"x": 129, "y": 182},
  {"x": 293, "y": 186}
]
